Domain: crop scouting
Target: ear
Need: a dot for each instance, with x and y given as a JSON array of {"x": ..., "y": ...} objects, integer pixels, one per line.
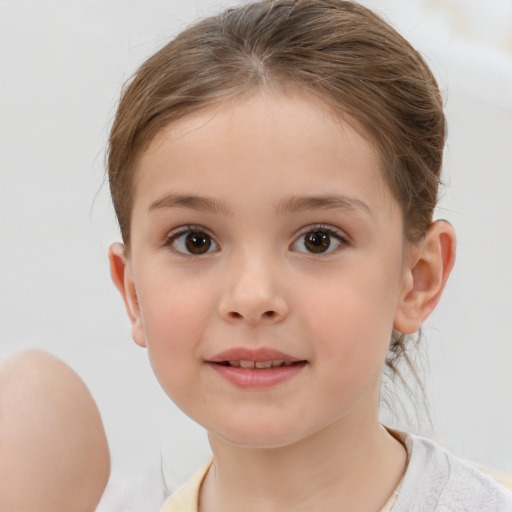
[
  {"x": 428, "y": 267},
  {"x": 121, "y": 274}
]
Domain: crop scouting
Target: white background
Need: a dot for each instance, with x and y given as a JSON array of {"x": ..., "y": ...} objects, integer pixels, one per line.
[{"x": 62, "y": 65}]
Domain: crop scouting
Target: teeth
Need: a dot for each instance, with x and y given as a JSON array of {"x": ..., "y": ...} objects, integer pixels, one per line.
[
  {"x": 260, "y": 364},
  {"x": 263, "y": 364}
]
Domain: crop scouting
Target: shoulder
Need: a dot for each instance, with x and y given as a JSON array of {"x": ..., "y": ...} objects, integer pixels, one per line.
[
  {"x": 437, "y": 481},
  {"x": 52, "y": 439},
  {"x": 186, "y": 498}
]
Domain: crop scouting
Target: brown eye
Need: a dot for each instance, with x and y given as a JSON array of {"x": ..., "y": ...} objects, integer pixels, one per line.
[
  {"x": 321, "y": 240},
  {"x": 198, "y": 243},
  {"x": 317, "y": 241},
  {"x": 191, "y": 242}
]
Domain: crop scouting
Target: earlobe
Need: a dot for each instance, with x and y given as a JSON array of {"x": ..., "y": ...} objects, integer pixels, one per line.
[
  {"x": 122, "y": 278},
  {"x": 429, "y": 266}
]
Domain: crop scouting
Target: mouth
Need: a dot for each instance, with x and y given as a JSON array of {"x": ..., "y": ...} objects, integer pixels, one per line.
[
  {"x": 260, "y": 365},
  {"x": 261, "y": 358},
  {"x": 259, "y": 368}
]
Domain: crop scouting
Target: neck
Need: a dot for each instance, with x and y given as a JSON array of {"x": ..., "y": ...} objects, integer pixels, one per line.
[{"x": 343, "y": 467}]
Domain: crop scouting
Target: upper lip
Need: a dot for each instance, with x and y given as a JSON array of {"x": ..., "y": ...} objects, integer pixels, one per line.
[{"x": 248, "y": 354}]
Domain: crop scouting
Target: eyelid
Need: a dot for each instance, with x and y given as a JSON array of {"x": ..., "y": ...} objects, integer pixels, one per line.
[
  {"x": 180, "y": 231},
  {"x": 340, "y": 235}
]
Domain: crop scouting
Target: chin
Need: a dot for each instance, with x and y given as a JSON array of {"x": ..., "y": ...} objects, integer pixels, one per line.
[{"x": 258, "y": 438}]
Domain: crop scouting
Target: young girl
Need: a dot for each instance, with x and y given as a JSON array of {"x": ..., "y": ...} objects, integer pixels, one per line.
[{"x": 274, "y": 171}]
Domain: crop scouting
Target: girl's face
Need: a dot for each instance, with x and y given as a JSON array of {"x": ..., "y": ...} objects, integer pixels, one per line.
[{"x": 266, "y": 268}]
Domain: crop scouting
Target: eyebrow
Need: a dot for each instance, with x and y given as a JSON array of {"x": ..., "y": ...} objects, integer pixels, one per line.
[
  {"x": 323, "y": 202},
  {"x": 290, "y": 205},
  {"x": 192, "y": 202}
]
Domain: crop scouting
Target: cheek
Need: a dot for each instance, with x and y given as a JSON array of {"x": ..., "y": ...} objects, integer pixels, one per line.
[
  {"x": 174, "y": 317},
  {"x": 350, "y": 349},
  {"x": 351, "y": 318}
]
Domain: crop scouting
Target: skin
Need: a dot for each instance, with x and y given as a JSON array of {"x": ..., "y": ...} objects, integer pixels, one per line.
[
  {"x": 259, "y": 285},
  {"x": 53, "y": 449}
]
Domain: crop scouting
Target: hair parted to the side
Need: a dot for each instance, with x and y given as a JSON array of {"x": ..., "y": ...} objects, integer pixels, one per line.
[{"x": 336, "y": 50}]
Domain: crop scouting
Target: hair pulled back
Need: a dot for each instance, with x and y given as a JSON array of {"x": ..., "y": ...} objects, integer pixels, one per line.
[{"x": 337, "y": 50}]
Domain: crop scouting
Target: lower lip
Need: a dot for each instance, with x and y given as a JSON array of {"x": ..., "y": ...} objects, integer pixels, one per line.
[{"x": 256, "y": 378}]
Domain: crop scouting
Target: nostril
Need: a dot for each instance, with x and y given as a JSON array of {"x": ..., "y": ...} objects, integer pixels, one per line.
[{"x": 266, "y": 314}]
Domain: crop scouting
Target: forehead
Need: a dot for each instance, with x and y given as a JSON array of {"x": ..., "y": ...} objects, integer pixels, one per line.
[
  {"x": 291, "y": 139},
  {"x": 281, "y": 104}
]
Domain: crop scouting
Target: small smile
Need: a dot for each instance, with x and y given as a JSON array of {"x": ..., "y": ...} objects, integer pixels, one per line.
[
  {"x": 256, "y": 368},
  {"x": 272, "y": 363},
  {"x": 262, "y": 357}
]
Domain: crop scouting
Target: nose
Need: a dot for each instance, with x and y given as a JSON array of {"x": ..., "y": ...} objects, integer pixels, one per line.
[{"x": 253, "y": 294}]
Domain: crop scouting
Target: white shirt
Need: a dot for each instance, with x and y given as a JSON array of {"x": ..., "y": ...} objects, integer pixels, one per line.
[{"x": 434, "y": 481}]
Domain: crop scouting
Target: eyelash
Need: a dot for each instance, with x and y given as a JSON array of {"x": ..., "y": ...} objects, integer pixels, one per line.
[
  {"x": 339, "y": 236},
  {"x": 172, "y": 238},
  {"x": 332, "y": 233}
]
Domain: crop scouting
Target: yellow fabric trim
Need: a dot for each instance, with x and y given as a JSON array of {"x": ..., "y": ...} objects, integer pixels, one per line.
[
  {"x": 505, "y": 480},
  {"x": 501, "y": 478},
  {"x": 186, "y": 498}
]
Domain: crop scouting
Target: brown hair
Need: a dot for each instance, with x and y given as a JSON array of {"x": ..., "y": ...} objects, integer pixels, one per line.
[{"x": 336, "y": 50}]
